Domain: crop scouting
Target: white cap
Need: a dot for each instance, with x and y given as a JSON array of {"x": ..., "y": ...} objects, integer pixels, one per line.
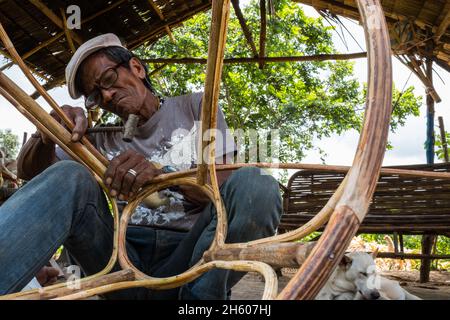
[{"x": 84, "y": 51}]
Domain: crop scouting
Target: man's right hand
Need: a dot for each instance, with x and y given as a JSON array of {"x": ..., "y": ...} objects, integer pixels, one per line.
[{"x": 76, "y": 116}]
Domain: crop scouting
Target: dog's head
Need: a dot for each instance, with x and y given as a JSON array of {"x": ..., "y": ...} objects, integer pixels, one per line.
[{"x": 360, "y": 269}]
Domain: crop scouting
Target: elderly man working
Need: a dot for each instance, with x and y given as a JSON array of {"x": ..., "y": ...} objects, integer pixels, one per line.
[{"x": 63, "y": 204}]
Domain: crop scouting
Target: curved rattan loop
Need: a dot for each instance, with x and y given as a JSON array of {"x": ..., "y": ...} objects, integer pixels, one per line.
[
  {"x": 363, "y": 175},
  {"x": 131, "y": 207}
]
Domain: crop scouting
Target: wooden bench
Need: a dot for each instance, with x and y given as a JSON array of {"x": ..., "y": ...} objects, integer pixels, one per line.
[{"x": 400, "y": 206}]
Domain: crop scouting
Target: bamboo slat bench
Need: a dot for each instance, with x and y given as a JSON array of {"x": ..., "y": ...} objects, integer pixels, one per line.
[{"x": 400, "y": 205}]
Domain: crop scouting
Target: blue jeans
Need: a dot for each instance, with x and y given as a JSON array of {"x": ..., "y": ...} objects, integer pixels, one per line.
[{"x": 65, "y": 205}]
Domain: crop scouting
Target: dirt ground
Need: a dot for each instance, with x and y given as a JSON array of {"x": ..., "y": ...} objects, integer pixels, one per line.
[{"x": 251, "y": 286}]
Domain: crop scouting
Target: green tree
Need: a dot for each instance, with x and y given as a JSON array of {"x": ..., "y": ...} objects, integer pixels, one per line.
[
  {"x": 303, "y": 100},
  {"x": 9, "y": 143},
  {"x": 439, "y": 150}
]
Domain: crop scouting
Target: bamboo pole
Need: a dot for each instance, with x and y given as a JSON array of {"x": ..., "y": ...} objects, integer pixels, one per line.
[
  {"x": 443, "y": 138},
  {"x": 279, "y": 255},
  {"x": 54, "y": 18},
  {"x": 161, "y": 17},
  {"x": 363, "y": 176},
  {"x": 244, "y": 27},
  {"x": 48, "y": 121},
  {"x": 442, "y": 28},
  {"x": 306, "y": 166},
  {"x": 34, "y": 50},
  {"x": 67, "y": 31},
  {"x": 59, "y": 35},
  {"x": 263, "y": 31},
  {"x": 10, "y": 47},
  {"x": 60, "y": 136},
  {"x": 220, "y": 15},
  {"x": 71, "y": 288},
  {"x": 270, "y": 288},
  {"x": 317, "y": 57}
]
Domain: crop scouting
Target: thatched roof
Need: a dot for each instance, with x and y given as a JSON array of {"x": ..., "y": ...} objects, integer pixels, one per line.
[
  {"x": 32, "y": 24},
  {"x": 36, "y": 28},
  {"x": 430, "y": 18}
]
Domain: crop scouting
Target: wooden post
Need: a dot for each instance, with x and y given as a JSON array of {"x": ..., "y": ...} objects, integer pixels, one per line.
[
  {"x": 428, "y": 240},
  {"x": 244, "y": 26},
  {"x": 443, "y": 138},
  {"x": 263, "y": 31}
]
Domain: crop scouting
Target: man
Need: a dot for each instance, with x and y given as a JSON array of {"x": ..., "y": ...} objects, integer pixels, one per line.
[{"x": 63, "y": 204}]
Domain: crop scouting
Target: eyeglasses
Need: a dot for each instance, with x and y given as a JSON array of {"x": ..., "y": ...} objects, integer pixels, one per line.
[{"x": 107, "y": 80}]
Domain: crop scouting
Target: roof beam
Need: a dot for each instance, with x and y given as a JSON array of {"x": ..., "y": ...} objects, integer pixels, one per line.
[
  {"x": 34, "y": 50},
  {"x": 244, "y": 26},
  {"x": 318, "y": 57},
  {"x": 161, "y": 17},
  {"x": 59, "y": 35},
  {"x": 66, "y": 31},
  {"x": 158, "y": 28},
  {"x": 54, "y": 18},
  {"x": 442, "y": 27}
]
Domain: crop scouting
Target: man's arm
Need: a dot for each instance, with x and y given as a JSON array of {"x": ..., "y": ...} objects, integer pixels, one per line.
[
  {"x": 34, "y": 157},
  {"x": 39, "y": 152}
]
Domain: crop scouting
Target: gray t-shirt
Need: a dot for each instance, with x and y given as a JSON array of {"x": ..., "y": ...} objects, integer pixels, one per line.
[{"x": 169, "y": 137}]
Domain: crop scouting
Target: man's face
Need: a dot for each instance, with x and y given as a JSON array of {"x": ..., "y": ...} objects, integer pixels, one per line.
[{"x": 126, "y": 96}]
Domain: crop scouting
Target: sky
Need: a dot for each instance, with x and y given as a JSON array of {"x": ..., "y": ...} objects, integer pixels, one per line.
[{"x": 407, "y": 142}]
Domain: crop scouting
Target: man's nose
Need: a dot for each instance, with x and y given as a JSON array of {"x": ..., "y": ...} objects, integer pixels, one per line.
[{"x": 107, "y": 95}]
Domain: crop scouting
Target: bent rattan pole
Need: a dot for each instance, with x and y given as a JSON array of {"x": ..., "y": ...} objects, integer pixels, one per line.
[
  {"x": 270, "y": 288},
  {"x": 12, "y": 50},
  {"x": 363, "y": 176},
  {"x": 48, "y": 121},
  {"x": 312, "y": 225},
  {"x": 61, "y": 136},
  {"x": 308, "y": 166},
  {"x": 218, "y": 34}
]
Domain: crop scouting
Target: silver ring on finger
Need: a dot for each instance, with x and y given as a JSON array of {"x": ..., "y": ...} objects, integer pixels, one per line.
[{"x": 132, "y": 172}]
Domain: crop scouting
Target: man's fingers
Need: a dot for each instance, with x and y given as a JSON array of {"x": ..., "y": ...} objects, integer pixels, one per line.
[
  {"x": 123, "y": 180},
  {"x": 52, "y": 272},
  {"x": 80, "y": 127},
  {"x": 113, "y": 165},
  {"x": 146, "y": 172}
]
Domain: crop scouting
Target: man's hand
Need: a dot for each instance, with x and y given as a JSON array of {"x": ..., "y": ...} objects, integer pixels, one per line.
[
  {"x": 78, "y": 118},
  {"x": 121, "y": 182}
]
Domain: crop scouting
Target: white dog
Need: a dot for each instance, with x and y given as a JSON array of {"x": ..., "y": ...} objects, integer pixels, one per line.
[{"x": 356, "y": 279}]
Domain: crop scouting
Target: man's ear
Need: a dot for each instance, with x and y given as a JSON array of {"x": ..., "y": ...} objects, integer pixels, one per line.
[{"x": 137, "y": 68}]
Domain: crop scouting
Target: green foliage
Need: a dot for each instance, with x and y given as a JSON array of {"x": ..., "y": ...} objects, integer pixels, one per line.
[
  {"x": 439, "y": 150},
  {"x": 9, "y": 143},
  {"x": 414, "y": 243},
  {"x": 303, "y": 100}
]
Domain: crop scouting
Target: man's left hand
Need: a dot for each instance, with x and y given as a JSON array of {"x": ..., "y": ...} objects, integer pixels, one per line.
[{"x": 119, "y": 177}]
